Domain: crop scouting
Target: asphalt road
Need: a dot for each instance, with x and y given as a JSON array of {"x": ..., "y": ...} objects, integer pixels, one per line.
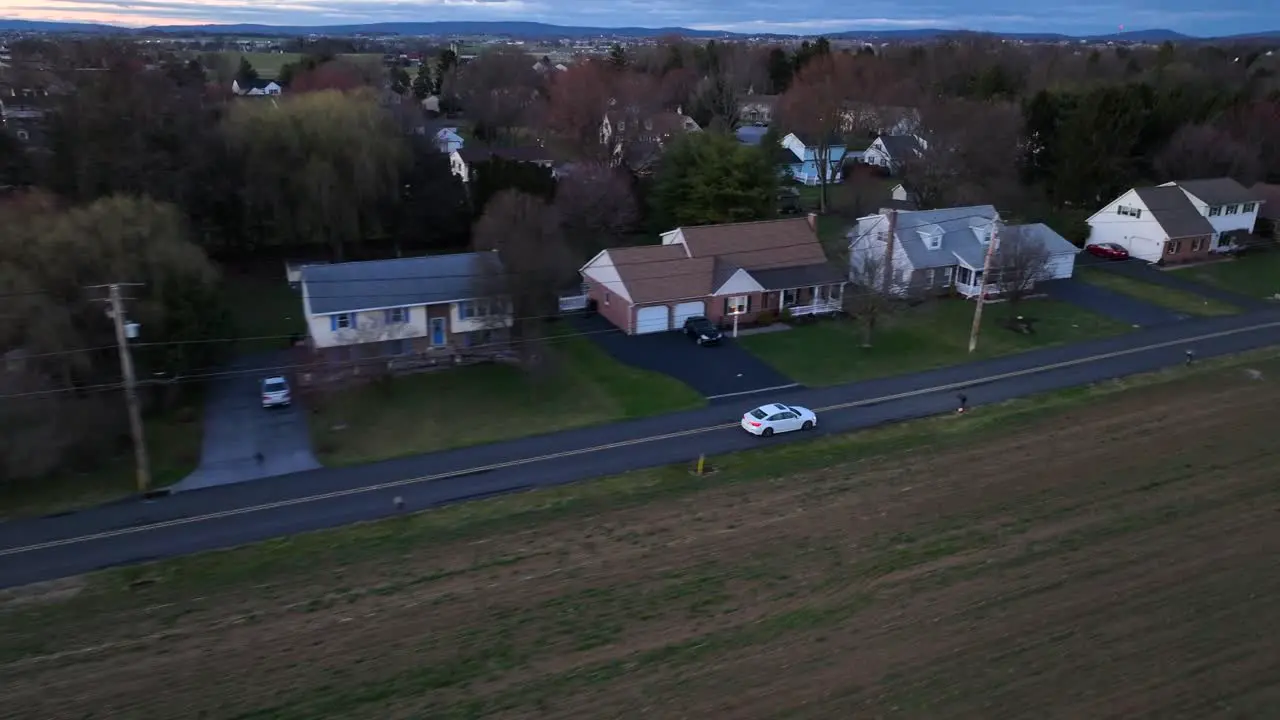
[
  {"x": 237, "y": 428},
  {"x": 136, "y": 531}
]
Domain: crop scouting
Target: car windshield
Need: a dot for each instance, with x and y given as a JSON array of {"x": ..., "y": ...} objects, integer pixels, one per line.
[
  {"x": 759, "y": 414},
  {"x": 273, "y": 385}
]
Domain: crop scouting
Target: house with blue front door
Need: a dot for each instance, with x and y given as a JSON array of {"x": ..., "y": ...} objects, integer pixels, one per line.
[
  {"x": 802, "y": 156},
  {"x": 433, "y": 307}
]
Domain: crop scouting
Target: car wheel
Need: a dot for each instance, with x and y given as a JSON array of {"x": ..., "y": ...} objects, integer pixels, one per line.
[
  {"x": 807, "y": 425},
  {"x": 767, "y": 432}
]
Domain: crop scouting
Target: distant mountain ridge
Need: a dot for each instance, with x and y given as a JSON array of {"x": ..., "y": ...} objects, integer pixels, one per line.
[{"x": 532, "y": 30}]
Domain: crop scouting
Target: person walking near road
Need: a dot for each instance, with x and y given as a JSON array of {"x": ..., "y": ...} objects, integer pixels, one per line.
[
  {"x": 1191, "y": 356},
  {"x": 964, "y": 403}
]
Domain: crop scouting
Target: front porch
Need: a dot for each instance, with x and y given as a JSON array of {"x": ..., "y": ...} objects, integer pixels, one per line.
[
  {"x": 969, "y": 284},
  {"x": 801, "y": 301}
]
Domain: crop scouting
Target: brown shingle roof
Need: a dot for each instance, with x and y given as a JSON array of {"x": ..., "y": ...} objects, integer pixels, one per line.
[
  {"x": 1270, "y": 195},
  {"x": 1218, "y": 191},
  {"x": 1175, "y": 213},
  {"x": 757, "y": 245},
  {"x": 656, "y": 273}
]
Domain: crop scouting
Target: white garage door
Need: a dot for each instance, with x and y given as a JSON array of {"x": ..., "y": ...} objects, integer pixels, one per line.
[
  {"x": 684, "y": 311},
  {"x": 656, "y": 318}
]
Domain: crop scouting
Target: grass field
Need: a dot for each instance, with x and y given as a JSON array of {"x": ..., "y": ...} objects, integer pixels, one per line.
[
  {"x": 1106, "y": 552},
  {"x": 268, "y": 65},
  {"x": 1257, "y": 275},
  {"x": 1167, "y": 297},
  {"x": 486, "y": 403},
  {"x": 931, "y": 335}
]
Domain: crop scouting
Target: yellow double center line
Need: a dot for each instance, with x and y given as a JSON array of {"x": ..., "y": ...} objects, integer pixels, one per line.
[{"x": 108, "y": 534}]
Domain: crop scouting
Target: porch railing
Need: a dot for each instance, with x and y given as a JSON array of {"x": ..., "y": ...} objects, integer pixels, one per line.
[
  {"x": 818, "y": 308},
  {"x": 570, "y": 303}
]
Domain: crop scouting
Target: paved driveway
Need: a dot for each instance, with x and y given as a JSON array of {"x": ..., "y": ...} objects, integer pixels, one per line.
[
  {"x": 237, "y": 427},
  {"x": 723, "y": 371},
  {"x": 1108, "y": 303}
]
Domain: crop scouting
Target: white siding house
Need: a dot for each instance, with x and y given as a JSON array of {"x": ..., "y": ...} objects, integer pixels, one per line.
[
  {"x": 1178, "y": 221},
  {"x": 890, "y": 151},
  {"x": 935, "y": 251}
]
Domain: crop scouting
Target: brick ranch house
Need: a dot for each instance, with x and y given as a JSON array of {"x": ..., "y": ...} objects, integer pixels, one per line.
[
  {"x": 718, "y": 271},
  {"x": 417, "y": 310}
]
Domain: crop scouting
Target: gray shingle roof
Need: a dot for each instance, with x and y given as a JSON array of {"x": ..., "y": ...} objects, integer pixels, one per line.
[
  {"x": 1219, "y": 191},
  {"x": 788, "y": 278},
  {"x": 959, "y": 239},
  {"x": 399, "y": 282},
  {"x": 1174, "y": 211},
  {"x": 900, "y": 147}
]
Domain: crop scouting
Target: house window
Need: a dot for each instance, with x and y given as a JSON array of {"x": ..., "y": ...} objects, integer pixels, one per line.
[
  {"x": 1129, "y": 211},
  {"x": 946, "y": 277},
  {"x": 397, "y": 316},
  {"x": 340, "y": 322},
  {"x": 928, "y": 277},
  {"x": 1233, "y": 209},
  {"x": 1196, "y": 245},
  {"x": 737, "y": 305},
  {"x": 1248, "y": 208},
  {"x": 606, "y": 298},
  {"x": 397, "y": 347},
  {"x": 1213, "y": 211},
  {"x": 789, "y": 298},
  {"x": 1172, "y": 247},
  {"x": 479, "y": 309}
]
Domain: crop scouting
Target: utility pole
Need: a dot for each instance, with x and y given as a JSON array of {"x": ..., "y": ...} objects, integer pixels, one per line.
[
  {"x": 982, "y": 287},
  {"x": 141, "y": 458},
  {"x": 890, "y": 239}
]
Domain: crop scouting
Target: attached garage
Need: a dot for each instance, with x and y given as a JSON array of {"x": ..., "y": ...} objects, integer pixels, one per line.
[
  {"x": 652, "y": 319},
  {"x": 684, "y": 311},
  {"x": 1060, "y": 266}
]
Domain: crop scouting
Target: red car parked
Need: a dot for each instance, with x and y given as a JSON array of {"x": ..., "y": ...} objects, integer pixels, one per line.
[{"x": 1109, "y": 251}]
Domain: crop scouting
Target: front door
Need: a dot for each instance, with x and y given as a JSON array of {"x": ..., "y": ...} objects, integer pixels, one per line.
[{"x": 437, "y": 332}]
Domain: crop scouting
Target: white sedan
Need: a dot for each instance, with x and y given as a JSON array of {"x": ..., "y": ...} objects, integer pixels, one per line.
[{"x": 778, "y": 418}]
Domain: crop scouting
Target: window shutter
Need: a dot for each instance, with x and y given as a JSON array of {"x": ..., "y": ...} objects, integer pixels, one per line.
[
  {"x": 726, "y": 306},
  {"x": 748, "y": 304},
  {"x": 333, "y": 323}
]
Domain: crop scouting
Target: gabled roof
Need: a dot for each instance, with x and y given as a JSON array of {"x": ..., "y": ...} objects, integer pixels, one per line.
[
  {"x": 900, "y": 146},
  {"x": 811, "y": 139},
  {"x": 757, "y": 245},
  {"x": 960, "y": 242},
  {"x": 398, "y": 282},
  {"x": 653, "y": 273},
  {"x": 1217, "y": 191},
  {"x": 472, "y": 154},
  {"x": 1174, "y": 211}
]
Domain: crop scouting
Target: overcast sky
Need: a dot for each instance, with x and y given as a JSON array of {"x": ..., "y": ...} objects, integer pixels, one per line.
[{"x": 1193, "y": 17}]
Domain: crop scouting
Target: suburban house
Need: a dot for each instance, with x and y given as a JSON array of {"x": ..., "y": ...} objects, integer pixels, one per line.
[
  {"x": 900, "y": 198},
  {"x": 757, "y": 109},
  {"x": 799, "y": 155},
  {"x": 726, "y": 272},
  {"x": 255, "y": 88},
  {"x": 463, "y": 160},
  {"x": 437, "y": 306},
  {"x": 655, "y": 129},
  {"x": 940, "y": 251},
  {"x": 1178, "y": 221},
  {"x": 447, "y": 140},
  {"x": 890, "y": 151},
  {"x": 1269, "y": 214}
]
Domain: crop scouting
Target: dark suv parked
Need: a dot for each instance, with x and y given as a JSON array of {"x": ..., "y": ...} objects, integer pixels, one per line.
[{"x": 702, "y": 330}]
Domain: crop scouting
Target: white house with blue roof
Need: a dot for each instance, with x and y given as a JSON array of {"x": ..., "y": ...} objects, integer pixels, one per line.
[
  {"x": 938, "y": 251},
  {"x": 801, "y": 156},
  {"x": 431, "y": 305}
]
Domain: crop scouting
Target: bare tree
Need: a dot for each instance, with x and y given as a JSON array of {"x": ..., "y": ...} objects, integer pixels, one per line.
[
  {"x": 498, "y": 90},
  {"x": 1201, "y": 151},
  {"x": 596, "y": 205},
  {"x": 579, "y": 99},
  {"x": 1021, "y": 260},
  {"x": 879, "y": 284},
  {"x": 814, "y": 109},
  {"x": 535, "y": 263},
  {"x": 968, "y": 154}
]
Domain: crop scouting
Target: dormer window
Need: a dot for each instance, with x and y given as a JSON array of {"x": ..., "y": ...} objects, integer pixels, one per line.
[
  {"x": 1127, "y": 211},
  {"x": 1233, "y": 209},
  {"x": 1215, "y": 211},
  {"x": 1248, "y": 208}
]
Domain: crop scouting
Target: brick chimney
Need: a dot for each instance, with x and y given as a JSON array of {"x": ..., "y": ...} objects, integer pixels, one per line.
[{"x": 813, "y": 222}]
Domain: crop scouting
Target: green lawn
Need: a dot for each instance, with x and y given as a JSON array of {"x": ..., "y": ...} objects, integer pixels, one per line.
[
  {"x": 263, "y": 307},
  {"x": 1171, "y": 298},
  {"x": 173, "y": 442},
  {"x": 583, "y": 386},
  {"x": 268, "y": 65},
  {"x": 931, "y": 335},
  {"x": 1257, "y": 275}
]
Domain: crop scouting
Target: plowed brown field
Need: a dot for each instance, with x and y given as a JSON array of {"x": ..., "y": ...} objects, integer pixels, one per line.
[{"x": 1118, "y": 561}]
